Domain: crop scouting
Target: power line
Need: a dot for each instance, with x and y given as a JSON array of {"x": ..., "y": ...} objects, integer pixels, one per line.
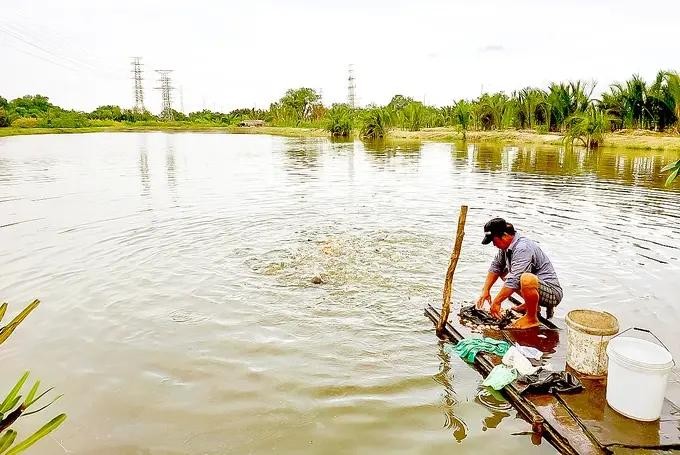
[
  {"x": 55, "y": 42},
  {"x": 62, "y": 60},
  {"x": 43, "y": 58},
  {"x": 139, "y": 90},
  {"x": 166, "y": 96}
]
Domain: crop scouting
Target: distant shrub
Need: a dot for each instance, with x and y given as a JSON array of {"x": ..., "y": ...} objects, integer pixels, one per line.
[
  {"x": 25, "y": 122},
  {"x": 339, "y": 120},
  {"x": 65, "y": 119},
  {"x": 104, "y": 123},
  {"x": 374, "y": 123},
  {"x": 4, "y": 118}
]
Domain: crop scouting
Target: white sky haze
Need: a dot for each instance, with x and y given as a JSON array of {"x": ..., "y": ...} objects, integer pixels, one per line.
[{"x": 229, "y": 54}]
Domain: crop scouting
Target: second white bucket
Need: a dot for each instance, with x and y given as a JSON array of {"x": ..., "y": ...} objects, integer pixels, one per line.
[{"x": 638, "y": 376}]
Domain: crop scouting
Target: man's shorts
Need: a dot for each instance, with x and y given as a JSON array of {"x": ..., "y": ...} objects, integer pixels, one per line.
[{"x": 549, "y": 297}]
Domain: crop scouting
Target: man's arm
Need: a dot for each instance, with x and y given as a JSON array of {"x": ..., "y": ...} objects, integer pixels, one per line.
[
  {"x": 491, "y": 278},
  {"x": 503, "y": 294},
  {"x": 485, "y": 296},
  {"x": 495, "y": 270}
]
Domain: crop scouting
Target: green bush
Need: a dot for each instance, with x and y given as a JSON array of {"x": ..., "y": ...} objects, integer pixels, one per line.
[
  {"x": 25, "y": 122},
  {"x": 64, "y": 119},
  {"x": 375, "y": 122},
  {"x": 4, "y": 118},
  {"x": 104, "y": 123},
  {"x": 339, "y": 120},
  {"x": 587, "y": 128},
  {"x": 414, "y": 115}
]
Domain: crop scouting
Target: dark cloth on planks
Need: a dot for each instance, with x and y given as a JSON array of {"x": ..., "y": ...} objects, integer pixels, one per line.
[
  {"x": 546, "y": 381},
  {"x": 472, "y": 315}
]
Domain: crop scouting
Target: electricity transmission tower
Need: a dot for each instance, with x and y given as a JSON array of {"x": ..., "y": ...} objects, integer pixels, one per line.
[
  {"x": 165, "y": 88},
  {"x": 181, "y": 99},
  {"x": 351, "y": 87},
  {"x": 139, "y": 90}
]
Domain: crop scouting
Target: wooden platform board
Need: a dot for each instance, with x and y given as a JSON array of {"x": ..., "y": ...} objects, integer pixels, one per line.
[{"x": 579, "y": 423}]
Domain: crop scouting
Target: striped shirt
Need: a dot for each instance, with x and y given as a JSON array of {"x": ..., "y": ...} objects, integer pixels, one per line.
[{"x": 524, "y": 255}]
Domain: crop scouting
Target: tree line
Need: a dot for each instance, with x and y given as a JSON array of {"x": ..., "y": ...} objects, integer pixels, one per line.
[{"x": 568, "y": 108}]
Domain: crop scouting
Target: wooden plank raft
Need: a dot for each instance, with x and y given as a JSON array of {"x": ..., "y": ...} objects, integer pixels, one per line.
[{"x": 580, "y": 423}]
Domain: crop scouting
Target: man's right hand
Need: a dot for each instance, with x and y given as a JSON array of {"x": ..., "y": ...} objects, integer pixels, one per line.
[
  {"x": 495, "y": 310},
  {"x": 485, "y": 297}
]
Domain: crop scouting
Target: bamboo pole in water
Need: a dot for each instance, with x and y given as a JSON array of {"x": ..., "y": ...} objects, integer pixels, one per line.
[{"x": 448, "y": 282}]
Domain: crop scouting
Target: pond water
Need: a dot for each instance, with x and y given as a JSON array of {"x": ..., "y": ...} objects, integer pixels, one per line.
[{"x": 178, "y": 312}]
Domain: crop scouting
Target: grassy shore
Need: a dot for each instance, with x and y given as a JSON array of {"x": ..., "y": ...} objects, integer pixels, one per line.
[
  {"x": 279, "y": 131},
  {"x": 637, "y": 139}
]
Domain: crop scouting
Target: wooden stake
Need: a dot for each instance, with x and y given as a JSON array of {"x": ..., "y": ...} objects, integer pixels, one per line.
[{"x": 448, "y": 282}]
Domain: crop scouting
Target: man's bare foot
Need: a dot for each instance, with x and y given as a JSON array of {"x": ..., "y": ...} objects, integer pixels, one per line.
[
  {"x": 520, "y": 308},
  {"x": 524, "y": 323}
]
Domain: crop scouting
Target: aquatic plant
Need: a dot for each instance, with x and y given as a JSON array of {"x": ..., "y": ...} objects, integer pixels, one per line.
[
  {"x": 375, "y": 122},
  {"x": 565, "y": 100},
  {"x": 414, "y": 115},
  {"x": 531, "y": 102},
  {"x": 463, "y": 115},
  {"x": 339, "y": 120},
  {"x": 491, "y": 109},
  {"x": 12, "y": 407},
  {"x": 673, "y": 169},
  {"x": 673, "y": 87},
  {"x": 664, "y": 97},
  {"x": 586, "y": 128}
]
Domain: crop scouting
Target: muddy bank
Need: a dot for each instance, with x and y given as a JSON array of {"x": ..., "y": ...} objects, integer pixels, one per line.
[{"x": 633, "y": 139}]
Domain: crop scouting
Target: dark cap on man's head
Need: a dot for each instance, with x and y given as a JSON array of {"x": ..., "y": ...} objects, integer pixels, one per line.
[{"x": 496, "y": 228}]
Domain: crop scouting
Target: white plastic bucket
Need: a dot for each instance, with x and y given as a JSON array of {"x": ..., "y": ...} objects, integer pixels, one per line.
[
  {"x": 638, "y": 376},
  {"x": 588, "y": 333}
]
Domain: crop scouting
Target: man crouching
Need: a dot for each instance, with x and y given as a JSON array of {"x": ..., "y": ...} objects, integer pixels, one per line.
[{"x": 525, "y": 268}]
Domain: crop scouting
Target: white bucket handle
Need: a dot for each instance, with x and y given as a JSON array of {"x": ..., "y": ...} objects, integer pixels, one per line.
[{"x": 639, "y": 329}]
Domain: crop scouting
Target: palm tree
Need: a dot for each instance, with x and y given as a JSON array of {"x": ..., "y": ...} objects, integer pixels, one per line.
[
  {"x": 567, "y": 99},
  {"x": 463, "y": 115},
  {"x": 529, "y": 101},
  {"x": 492, "y": 109},
  {"x": 586, "y": 128},
  {"x": 663, "y": 99},
  {"x": 414, "y": 115},
  {"x": 375, "y": 122},
  {"x": 673, "y": 84}
]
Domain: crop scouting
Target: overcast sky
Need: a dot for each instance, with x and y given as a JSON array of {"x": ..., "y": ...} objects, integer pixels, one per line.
[{"x": 228, "y": 54}]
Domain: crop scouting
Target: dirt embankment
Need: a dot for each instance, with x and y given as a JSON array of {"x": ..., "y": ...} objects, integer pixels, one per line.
[{"x": 631, "y": 139}]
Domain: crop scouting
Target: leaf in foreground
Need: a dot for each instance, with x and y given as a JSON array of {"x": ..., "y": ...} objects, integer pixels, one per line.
[
  {"x": 7, "y": 439},
  {"x": 5, "y": 406},
  {"x": 672, "y": 177},
  {"x": 6, "y": 331},
  {"x": 35, "y": 437}
]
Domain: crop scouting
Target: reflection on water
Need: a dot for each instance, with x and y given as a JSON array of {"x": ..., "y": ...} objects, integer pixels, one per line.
[
  {"x": 443, "y": 377},
  {"x": 170, "y": 165},
  {"x": 620, "y": 165},
  {"x": 144, "y": 166},
  {"x": 186, "y": 263},
  {"x": 303, "y": 154}
]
